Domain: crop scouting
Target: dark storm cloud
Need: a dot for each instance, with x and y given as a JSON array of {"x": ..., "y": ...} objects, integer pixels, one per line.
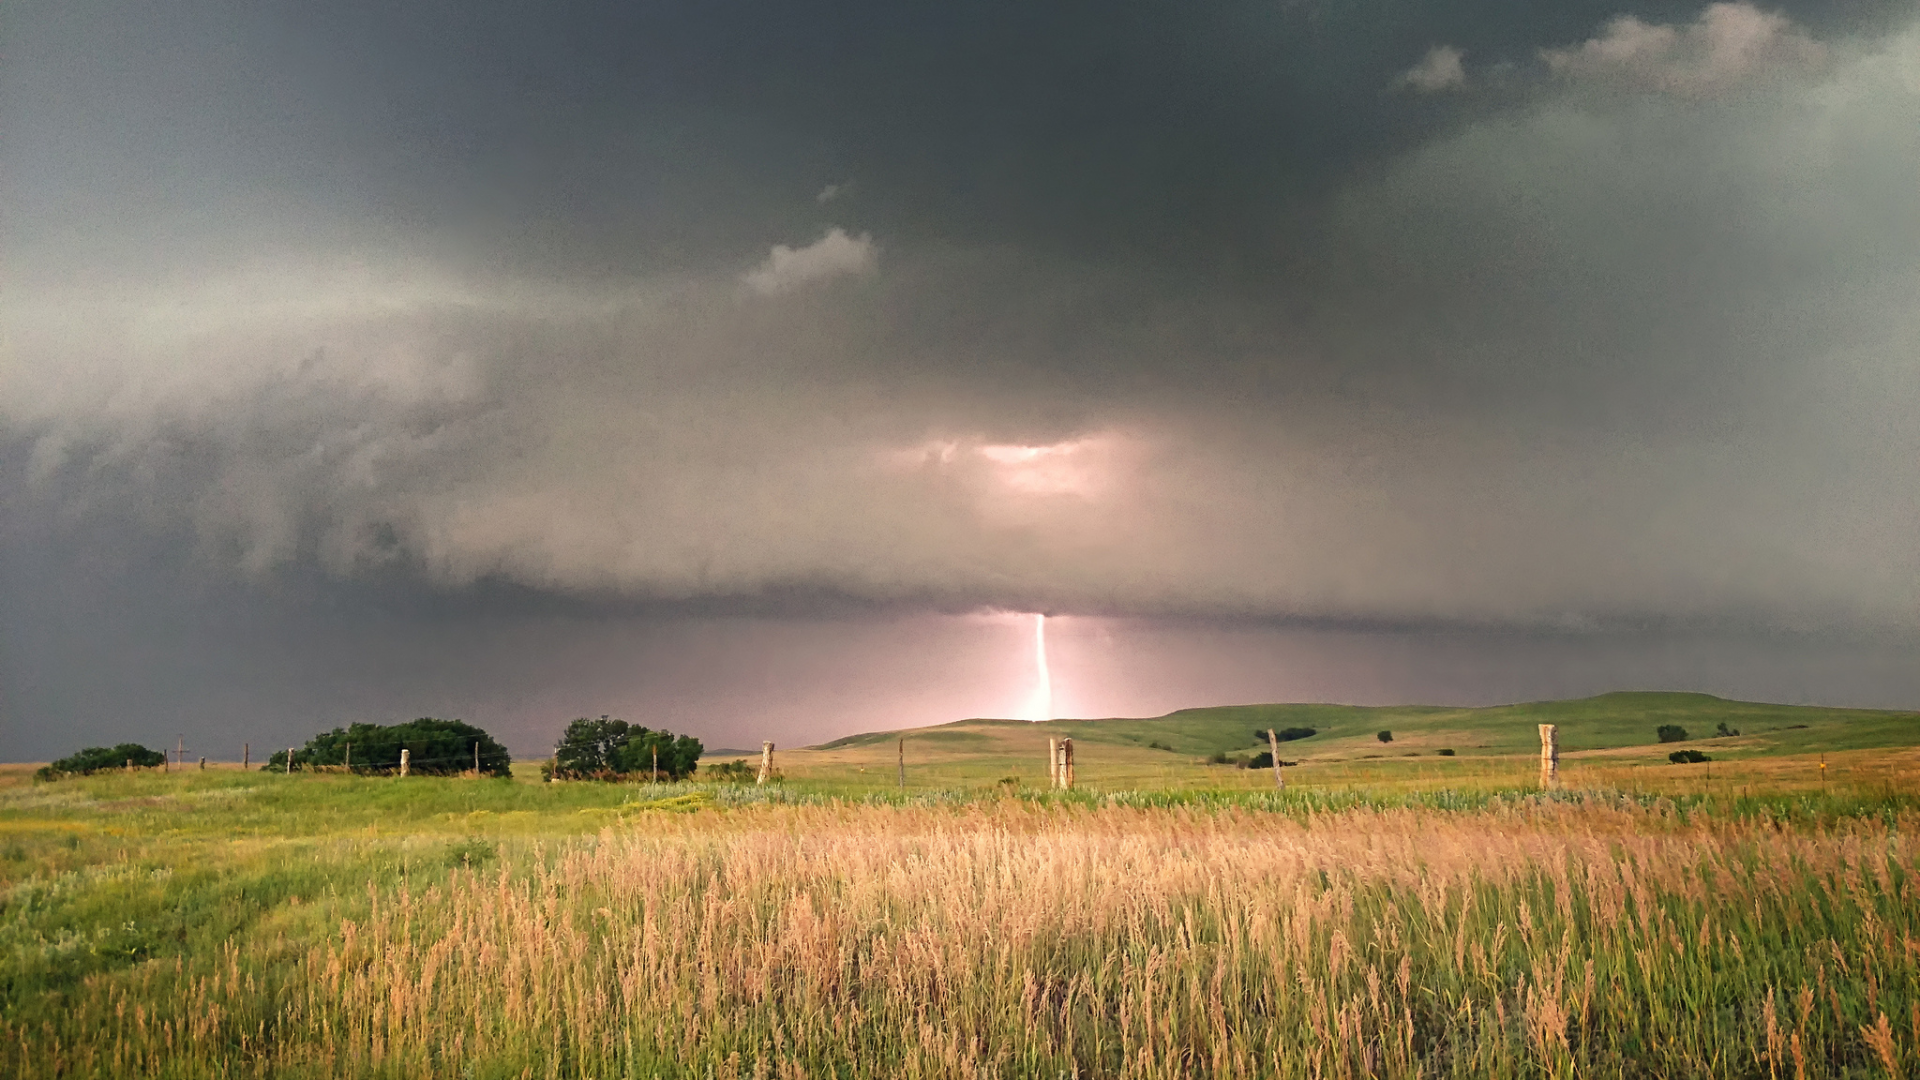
[{"x": 1140, "y": 309}]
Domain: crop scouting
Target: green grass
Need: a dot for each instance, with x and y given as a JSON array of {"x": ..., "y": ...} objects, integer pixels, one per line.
[{"x": 183, "y": 924}]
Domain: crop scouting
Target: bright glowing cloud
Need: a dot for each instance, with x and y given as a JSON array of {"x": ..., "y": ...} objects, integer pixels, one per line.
[{"x": 835, "y": 254}]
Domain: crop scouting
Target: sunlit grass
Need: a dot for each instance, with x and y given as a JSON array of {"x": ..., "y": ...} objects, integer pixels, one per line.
[{"x": 1377, "y": 921}]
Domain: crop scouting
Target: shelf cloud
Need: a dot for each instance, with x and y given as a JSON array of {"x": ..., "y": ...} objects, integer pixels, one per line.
[{"x": 1590, "y": 319}]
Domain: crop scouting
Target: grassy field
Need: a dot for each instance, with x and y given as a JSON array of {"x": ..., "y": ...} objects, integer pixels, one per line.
[
  {"x": 1172, "y": 918},
  {"x": 1607, "y": 741}
]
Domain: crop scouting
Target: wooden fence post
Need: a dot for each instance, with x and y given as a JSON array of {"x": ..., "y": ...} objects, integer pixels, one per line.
[
  {"x": 1273, "y": 744},
  {"x": 289, "y": 761},
  {"x": 246, "y": 755},
  {"x": 903, "y": 763},
  {"x": 476, "y": 759},
  {"x": 350, "y": 756},
  {"x": 1066, "y": 766},
  {"x": 656, "y": 764},
  {"x": 1549, "y": 757},
  {"x": 1053, "y": 763},
  {"x": 203, "y": 764},
  {"x": 406, "y": 758},
  {"x": 766, "y": 763}
]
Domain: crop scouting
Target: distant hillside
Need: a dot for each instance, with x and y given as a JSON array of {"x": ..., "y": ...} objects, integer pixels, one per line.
[
  {"x": 1607, "y": 740},
  {"x": 1607, "y": 722}
]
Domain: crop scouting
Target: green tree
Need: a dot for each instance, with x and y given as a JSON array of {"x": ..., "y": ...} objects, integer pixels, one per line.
[
  {"x": 1671, "y": 733},
  {"x": 99, "y": 758},
  {"x": 435, "y": 747},
  {"x": 609, "y": 748},
  {"x": 1384, "y": 736}
]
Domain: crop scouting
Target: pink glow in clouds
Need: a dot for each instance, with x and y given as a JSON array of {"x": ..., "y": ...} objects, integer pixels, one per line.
[{"x": 1086, "y": 467}]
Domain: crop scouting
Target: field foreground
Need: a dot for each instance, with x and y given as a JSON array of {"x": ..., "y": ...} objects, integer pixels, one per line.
[{"x": 1006, "y": 936}]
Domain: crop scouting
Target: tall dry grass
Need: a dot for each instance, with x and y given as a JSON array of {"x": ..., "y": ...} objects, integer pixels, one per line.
[{"x": 1026, "y": 940}]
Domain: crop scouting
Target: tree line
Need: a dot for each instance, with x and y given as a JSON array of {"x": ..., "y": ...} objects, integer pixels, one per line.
[{"x": 590, "y": 749}]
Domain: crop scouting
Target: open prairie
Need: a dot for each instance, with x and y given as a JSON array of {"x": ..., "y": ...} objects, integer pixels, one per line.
[{"x": 1381, "y": 917}]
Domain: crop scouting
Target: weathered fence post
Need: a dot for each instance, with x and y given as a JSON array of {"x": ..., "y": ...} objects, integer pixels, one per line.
[
  {"x": 406, "y": 758},
  {"x": 1066, "y": 764},
  {"x": 656, "y": 764},
  {"x": 203, "y": 764},
  {"x": 350, "y": 757},
  {"x": 289, "y": 761},
  {"x": 1549, "y": 756},
  {"x": 766, "y": 763},
  {"x": 1273, "y": 744},
  {"x": 476, "y": 759},
  {"x": 1053, "y": 763},
  {"x": 246, "y": 755},
  {"x": 903, "y": 763}
]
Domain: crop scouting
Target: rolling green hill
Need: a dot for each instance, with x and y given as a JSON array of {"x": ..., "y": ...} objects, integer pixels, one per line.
[{"x": 1612, "y": 730}]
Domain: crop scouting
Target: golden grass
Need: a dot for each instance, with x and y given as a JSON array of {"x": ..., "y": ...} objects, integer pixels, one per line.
[{"x": 1014, "y": 938}]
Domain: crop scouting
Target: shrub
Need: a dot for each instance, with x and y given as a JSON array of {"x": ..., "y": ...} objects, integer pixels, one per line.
[
  {"x": 435, "y": 747},
  {"x": 1286, "y": 734},
  {"x": 1687, "y": 757},
  {"x": 1445, "y": 752},
  {"x": 1724, "y": 731},
  {"x": 99, "y": 758},
  {"x": 611, "y": 749},
  {"x": 1384, "y": 736},
  {"x": 1264, "y": 760},
  {"x": 1157, "y": 745},
  {"x": 1671, "y": 733},
  {"x": 733, "y": 772}
]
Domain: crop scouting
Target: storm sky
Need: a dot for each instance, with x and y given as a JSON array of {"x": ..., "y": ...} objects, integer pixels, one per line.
[{"x": 739, "y": 366}]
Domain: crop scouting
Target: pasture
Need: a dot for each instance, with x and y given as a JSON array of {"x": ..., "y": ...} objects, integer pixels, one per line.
[{"x": 1381, "y": 917}]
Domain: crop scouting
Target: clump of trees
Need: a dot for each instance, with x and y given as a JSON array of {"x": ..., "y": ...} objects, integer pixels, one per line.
[
  {"x": 610, "y": 749},
  {"x": 435, "y": 748},
  {"x": 1687, "y": 757},
  {"x": 1384, "y": 736},
  {"x": 100, "y": 758},
  {"x": 1671, "y": 733},
  {"x": 1726, "y": 732}
]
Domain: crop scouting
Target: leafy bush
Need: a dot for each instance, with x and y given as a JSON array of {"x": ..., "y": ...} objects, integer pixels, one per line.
[
  {"x": 98, "y": 758},
  {"x": 733, "y": 772},
  {"x": 1445, "y": 751},
  {"x": 1687, "y": 757},
  {"x": 436, "y": 748},
  {"x": 1157, "y": 745},
  {"x": 611, "y": 749},
  {"x": 1724, "y": 731},
  {"x": 1671, "y": 733},
  {"x": 1384, "y": 736},
  {"x": 1264, "y": 760},
  {"x": 1288, "y": 734}
]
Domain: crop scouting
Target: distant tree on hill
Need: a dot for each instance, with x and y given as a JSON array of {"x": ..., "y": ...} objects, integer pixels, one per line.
[
  {"x": 608, "y": 749},
  {"x": 1726, "y": 732},
  {"x": 1384, "y": 736},
  {"x": 99, "y": 759},
  {"x": 435, "y": 748},
  {"x": 1287, "y": 734},
  {"x": 1671, "y": 733},
  {"x": 1687, "y": 757}
]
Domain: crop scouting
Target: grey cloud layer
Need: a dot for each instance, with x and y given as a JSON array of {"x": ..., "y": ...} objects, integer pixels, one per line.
[{"x": 1634, "y": 341}]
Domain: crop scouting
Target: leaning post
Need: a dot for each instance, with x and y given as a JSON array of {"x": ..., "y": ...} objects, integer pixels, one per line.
[
  {"x": 766, "y": 763},
  {"x": 1549, "y": 756},
  {"x": 1273, "y": 744}
]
